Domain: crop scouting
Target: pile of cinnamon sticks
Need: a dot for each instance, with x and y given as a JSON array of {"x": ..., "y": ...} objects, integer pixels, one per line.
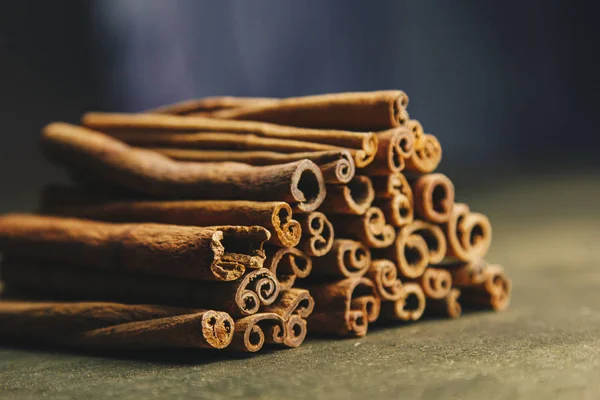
[{"x": 231, "y": 223}]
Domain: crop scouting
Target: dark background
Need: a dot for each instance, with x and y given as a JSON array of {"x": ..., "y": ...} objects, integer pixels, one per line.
[{"x": 503, "y": 84}]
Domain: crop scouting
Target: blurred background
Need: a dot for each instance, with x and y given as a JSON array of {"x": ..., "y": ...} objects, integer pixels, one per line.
[{"x": 504, "y": 85}]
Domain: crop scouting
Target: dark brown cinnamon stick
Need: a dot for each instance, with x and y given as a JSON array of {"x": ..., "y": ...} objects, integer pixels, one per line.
[
  {"x": 482, "y": 286},
  {"x": 147, "y": 172},
  {"x": 337, "y": 166},
  {"x": 416, "y": 246},
  {"x": 274, "y": 216},
  {"x": 354, "y": 198},
  {"x": 384, "y": 274},
  {"x": 409, "y": 307},
  {"x": 287, "y": 264},
  {"x": 209, "y": 104},
  {"x": 317, "y": 234},
  {"x": 370, "y": 228},
  {"x": 354, "y": 111},
  {"x": 445, "y": 307},
  {"x": 172, "y": 250},
  {"x": 433, "y": 197},
  {"x": 469, "y": 234},
  {"x": 395, "y": 146},
  {"x": 296, "y": 331},
  {"x": 63, "y": 281},
  {"x": 343, "y": 308},
  {"x": 151, "y": 130},
  {"x": 113, "y": 325},
  {"x": 347, "y": 259}
]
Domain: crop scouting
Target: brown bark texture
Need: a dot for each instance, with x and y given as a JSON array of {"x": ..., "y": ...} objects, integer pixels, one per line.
[
  {"x": 353, "y": 198},
  {"x": 287, "y": 264},
  {"x": 370, "y": 228},
  {"x": 317, "y": 234}
]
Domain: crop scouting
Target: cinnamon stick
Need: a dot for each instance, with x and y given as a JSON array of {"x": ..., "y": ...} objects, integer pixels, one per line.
[
  {"x": 370, "y": 228},
  {"x": 416, "y": 246},
  {"x": 276, "y": 217},
  {"x": 113, "y": 325},
  {"x": 393, "y": 195},
  {"x": 409, "y": 307},
  {"x": 173, "y": 131},
  {"x": 343, "y": 308},
  {"x": 384, "y": 275},
  {"x": 293, "y": 301},
  {"x": 147, "y": 172},
  {"x": 389, "y": 186},
  {"x": 296, "y": 331},
  {"x": 242, "y": 297},
  {"x": 354, "y": 111},
  {"x": 354, "y": 198},
  {"x": 347, "y": 259},
  {"x": 436, "y": 283},
  {"x": 447, "y": 306},
  {"x": 249, "y": 335},
  {"x": 395, "y": 146},
  {"x": 483, "y": 286},
  {"x": 170, "y": 250},
  {"x": 208, "y": 104},
  {"x": 317, "y": 234},
  {"x": 433, "y": 197},
  {"x": 287, "y": 264},
  {"x": 469, "y": 234},
  {"x": 337, "y": 166}
]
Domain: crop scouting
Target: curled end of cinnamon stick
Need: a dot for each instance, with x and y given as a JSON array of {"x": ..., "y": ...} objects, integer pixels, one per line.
[
  {"x": 379, "y": 233},
  {"x": 217, "y": 329},
  {"x": 257, "y": 288},
  {"x": 295, "y": 331},
  {"x": 236, "y": 248},
  {"x": 418, "y": 245},
  {"x": 293, "y": 301},
  {"x": 364, "y": 307},
  {"x": 287, "y": 229},
  {"x": 353, "y": 198},
  {"x": 308, "y": 186},
  {"x": 366, "y": 154},
  {"x": 426, "y": 156},
  {"x": 253, "y": 331},
  {"x": 436, "y": 283},
  {"x": 347, "y": 259},
  {"x": 288, "y": 264},
  {"x": 341, "y": 170},
  {"x": 398, "y": 109},
  {"x": 384, "y": 275},
  {"x": 445, "y": 307},
  {"x": 318, "y": 234},
  {"x": 469, "y": 234},
  {"x": 434, "y": 197},
  {"x": 410, "y": 306}
]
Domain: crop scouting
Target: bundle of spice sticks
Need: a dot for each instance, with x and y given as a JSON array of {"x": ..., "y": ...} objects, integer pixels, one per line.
[{"x": 230, "y": 223}]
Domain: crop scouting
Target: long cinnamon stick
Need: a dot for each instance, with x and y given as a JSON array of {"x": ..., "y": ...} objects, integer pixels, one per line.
[
  {"x": 395, "y": 146},
  {"x": 208, "y": 104},
  {"x": 145, "y": 171},
  {"x": 171, "y": 250},
  {"x": 469, "y": 234},
  {"x": 409, "y": 307},
  {"x": 445, "y": 307},
  {"x": 114, "y": 325},
  {"x": 347, "y": 259},
  {"x": 238, "y": 298},
  {"x": 416, "y": 246},
  {"x": 353, "y": 111},
  {"x": 343, "y": 308},
  {"x": 370, "y": 228},
  {"x": 172, "y": 131},
  {"x": 317, "y": 234},
  {"x": 483, "y": 286},
  {"x": 384, "y": 275},
  {"x": 433, "y": 197},
  {"x": 353, "y": 198},
  {"x": 287, "y": 264},
  {"x": 274, "y": 216}
]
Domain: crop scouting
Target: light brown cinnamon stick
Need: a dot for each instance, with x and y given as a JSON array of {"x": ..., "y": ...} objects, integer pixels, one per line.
[
  {"x": 384, "y": 274},
  {"x": 395, "y": 198},
  {"x": 416, "y": 246},
  {"x": 317, "y": 234},
  {"x": 173, "y": 131},
  {"x": 354, "y": 198},
  {"x": 482, "y": 286},
  {"x": 114, "y": 325},
  {"x": 287, "y": 264},
  {"x": 242, "y": 297},
  {"x": 370, "y": 228},
  {"x": 347, "y": 259},
  {"x": 395, "y": 146},
  {"x": 353, "y": 111},
  {"x": 337, "y": 166},
  {"x": 147, "y": 172},
  {"x": 209, "y": 104},
  {"x": 274, "y": 216},
  {"x": 409, "y": 307},
  {"x": 249, "y": 335},
  {"x": 343, "y": 308},
  {"x": 433, "y": 197},
  {"x": 436, "y": 283},
  {"x": 447, "y": 306},
  {"x": 171, "y": 250},
  {"x": 469, "y": 234}
]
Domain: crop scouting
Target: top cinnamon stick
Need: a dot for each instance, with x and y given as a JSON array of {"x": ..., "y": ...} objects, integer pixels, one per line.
[
  {"x": 299, "y": 183},
  {"x": 210, "y": 104},
  {"x": 353, "y": 111}
]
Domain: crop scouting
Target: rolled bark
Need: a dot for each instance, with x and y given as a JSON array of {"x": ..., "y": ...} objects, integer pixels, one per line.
[
  {"x": 293, "y": 301},
  {"x": 343, "y": 308},
  {"x": 436, "y": 283},
  {"x": 409, "y": 307},
  {"x": 353, "y": 198},
  {"x": 347, "y": 259},
  {"x": 337, "y": 166},
  {"x": 469, "y": 234},
  {"x": 433, "y": 197},
  {"x": 389, "y": 186},
  {"x": 114, "y": 326},
  {"x": 317, "y": 234},
  {"x": 370, "y": 228},
  {"x": 296, "y": 331},
  {"x": 170, "y": 250},
  {"x": 384, "y": 274},
  {"x": 242, "y": 297},
  {"x": 395, "y": 146},
  {"x": 287, "y": 264},
  {"x": 253, "y": 331},
  {"x": 483, "y": 286},
  {"x": 354, "y": 111},
  {"x": 426, "y": 155},
  {"x": 173, "y": 131},
  {"x": 144, "y": 171},
  {"x": 416, "y": 246},
  {"x": 447, "y": 306},
  {"x": 209, "y": 104},
  {"x": 276, "y": 217}
]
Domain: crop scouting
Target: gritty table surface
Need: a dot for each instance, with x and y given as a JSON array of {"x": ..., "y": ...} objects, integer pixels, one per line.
[{"x": 546, "y": 346}]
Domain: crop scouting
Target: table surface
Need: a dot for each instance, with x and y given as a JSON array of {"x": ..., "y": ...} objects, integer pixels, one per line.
[{"x": 547, "y": 345}]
